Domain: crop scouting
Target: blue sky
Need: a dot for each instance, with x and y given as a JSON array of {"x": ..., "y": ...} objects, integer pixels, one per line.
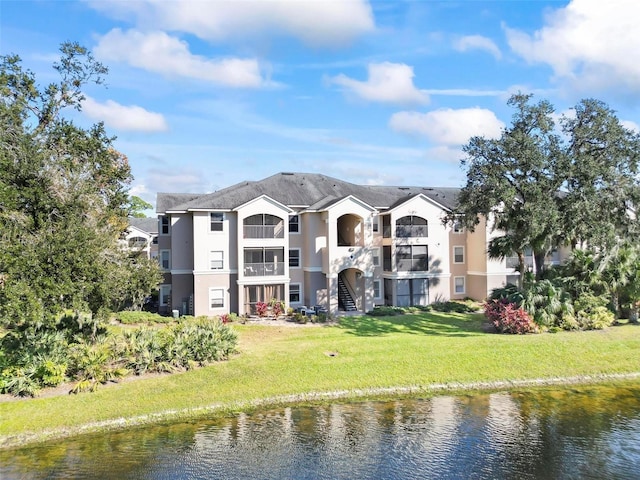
[{"x": 205, "y": 94}]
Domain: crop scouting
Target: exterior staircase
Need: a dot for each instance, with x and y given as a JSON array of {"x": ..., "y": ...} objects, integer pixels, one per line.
[{"x": 345, "y": 300}]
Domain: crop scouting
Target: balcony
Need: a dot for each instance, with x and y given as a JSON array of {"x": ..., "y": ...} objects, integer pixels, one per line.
[
  {"x": 411, "y": 231},
  {"x": 263, "y": 269},
  {"x": 512, "y": 262},
  {"x": 263, "y": 231}
]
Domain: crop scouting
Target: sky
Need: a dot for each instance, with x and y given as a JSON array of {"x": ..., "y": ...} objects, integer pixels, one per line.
[{"x": 205, "y": 94}]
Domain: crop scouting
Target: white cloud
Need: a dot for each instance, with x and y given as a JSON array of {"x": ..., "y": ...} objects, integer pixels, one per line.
[
  {"x": 448, "y": 126},
  {"x": 477, "y": 42},
  {"x": 387, "y": 82},
  {"x": 169, "y": 56},
  {"x": 122, "y": 117},
  {"x": 589, "y": 43},
  {"x": 182, "y": 179},
  {"x": 630, "y": 125},
  {"x": 317, "y": 23}
]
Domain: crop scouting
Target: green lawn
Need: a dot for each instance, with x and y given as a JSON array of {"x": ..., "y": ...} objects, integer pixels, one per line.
[{"x": 362, "y": 353}]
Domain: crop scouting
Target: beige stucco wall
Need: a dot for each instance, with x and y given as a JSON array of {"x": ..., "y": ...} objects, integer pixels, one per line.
[
  {"x": 458, "y": 269},
  {"x": 181, "y": 243},
  {"x": 313, "y": 238},
  {"x": 205, "y": 281},
  {"x": 206, "y": 241},
  {"x": 338, "y": 258}
]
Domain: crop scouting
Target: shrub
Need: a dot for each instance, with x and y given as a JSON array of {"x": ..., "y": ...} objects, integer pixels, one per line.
[
  {"x": 385, "y": 311},
  {"x": 455, "y": 306},
  {"x": 592, "y": 313},
  {"x": 595, "y": 319},
  {"x": 277, "y": 307},
  {"x": 261, "y": 309},
  {"x": 507, "y": 317},
  {"x": 130, "y": 317},
  {"x": 509, "y": 292},
  {"x": 229, "y": 317}
]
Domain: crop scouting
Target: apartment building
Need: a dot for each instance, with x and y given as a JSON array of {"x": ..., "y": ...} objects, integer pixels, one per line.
[
  {"x": 142, "y": 236},
  {"x": 309, "y": 239}
]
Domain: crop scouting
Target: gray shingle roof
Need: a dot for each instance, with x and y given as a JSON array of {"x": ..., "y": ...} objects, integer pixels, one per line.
[
  {"x": 149, "y": 225},
  {"x": 307, "y": 190},
  {"x": 166, "y": 201}
]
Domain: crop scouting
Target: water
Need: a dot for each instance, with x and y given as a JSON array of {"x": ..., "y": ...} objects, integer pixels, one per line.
[{"x": 590, "y": 432}]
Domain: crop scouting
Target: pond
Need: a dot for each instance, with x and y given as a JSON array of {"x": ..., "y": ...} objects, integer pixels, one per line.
[{"x": 582, "y": 432}]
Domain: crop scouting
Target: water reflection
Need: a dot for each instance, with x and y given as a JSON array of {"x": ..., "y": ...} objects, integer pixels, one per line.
[{"x": 590, "y": 432}]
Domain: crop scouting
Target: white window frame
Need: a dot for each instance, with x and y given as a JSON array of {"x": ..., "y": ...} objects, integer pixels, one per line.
[
  {"x": 218, "y": 294},
  {"x": 299, "y": 301},
  {"x": 379, "y": 283},
  {"x": 375, "y": 224},
  {"x": 458, "y": 227},
  {"x": 213, "y": 254},
  {"x": 455, "y": 286},
  {"x": 161, "y": 254},
  {"x": 161, "y": 295},
  {"x": 375, "y": 254},
  {"x": 296, "y": 232},
  {"x": 161, "y": 221},
  {"x": 454, "y": 254},
  {"x": 221, "y": 222},
  {"x": 299, "y": 257}
]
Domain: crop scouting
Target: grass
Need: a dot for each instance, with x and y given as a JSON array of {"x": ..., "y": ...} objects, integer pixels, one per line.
[{"x": 359, "y": 354}]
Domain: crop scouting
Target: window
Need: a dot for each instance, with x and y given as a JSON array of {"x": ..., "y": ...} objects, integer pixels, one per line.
[
  {"x": 412, "y": 258},
  {"x": 376, "y": 289},
  {"x": 216, "y": 298},
  {"x": 412, "y": 292},
  {"x": 217, "y": 220},
  {"x": 165, "y": 259},
  {"x": 458, "y": 254},
  {"x": 261, "y": 293},
  {"x": 458, "y": 285},
  {"x": 294, "y": 293},
  {"x": 294, "y": 257},
  {"x": 260, "y": 262},
  {"x": 386, "y": 226},
  {"x": 376, "y": 257},
  {"x": 294, "y": 224},
  {"x": 165, "y": 295},
  {"x": 164, "y": 225},
  {"x": 375, "y": 225},
  {"x": 411, "y": 226},
  {"x": 263, "y": 225},
  {"x": 458, "y": 227},
  {"x": 386, "y": 258},
  {"x": 137, "y": 242},
  {"x": 154, "y": 241},
  {"x": 216, "y": 260}
]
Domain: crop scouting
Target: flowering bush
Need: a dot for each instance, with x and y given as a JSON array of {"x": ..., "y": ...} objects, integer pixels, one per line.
[
  {"x": 508, "y": 317},
  {"x": 261, "y": 308},
  {"x": 277, "y": 307}
]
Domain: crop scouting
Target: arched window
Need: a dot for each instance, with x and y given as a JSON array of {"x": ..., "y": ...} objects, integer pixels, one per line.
[
  {"x": 411, "y": 226},
  {"x": 263, "y": 225},
  {"x": 137, "y": 242}
]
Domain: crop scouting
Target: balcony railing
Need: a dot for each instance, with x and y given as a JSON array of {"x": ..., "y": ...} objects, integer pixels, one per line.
[
  {"x": 512, "y": 262},
  {"x": 263, "y": 231},
  {"x": 410, "y": 231},
  {"x": 263, "y": 269}
]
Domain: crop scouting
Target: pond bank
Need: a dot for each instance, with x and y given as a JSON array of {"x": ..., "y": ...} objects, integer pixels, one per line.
[
  {"x": 424, "y": 354},
  {"x": 8, "y": 442}
]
